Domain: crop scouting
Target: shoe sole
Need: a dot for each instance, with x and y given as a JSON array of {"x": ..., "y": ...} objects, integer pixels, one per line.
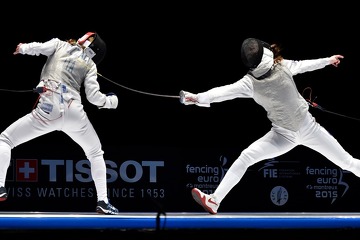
[
  {"x": 3, "y": 198},
  {"x": 98, "y": 210},
  {"x": 201, "y": 201},
  {"x": 101, "y": 211}
]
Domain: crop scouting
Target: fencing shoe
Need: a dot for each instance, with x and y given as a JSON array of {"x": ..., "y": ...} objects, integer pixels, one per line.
[
  {"x": 3, "y": 194},
  {"x": 205, "y": 200},
  {"x": 106, "y": 208}
]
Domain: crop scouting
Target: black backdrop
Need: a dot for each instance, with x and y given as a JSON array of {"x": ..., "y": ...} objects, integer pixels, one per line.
[{"x": 165, "y": 49}]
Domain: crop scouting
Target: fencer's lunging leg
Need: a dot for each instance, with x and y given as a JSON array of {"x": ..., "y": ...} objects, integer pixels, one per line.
[
  {"x": 323, "y": 142},
  {"x": 275, "y": 143}
]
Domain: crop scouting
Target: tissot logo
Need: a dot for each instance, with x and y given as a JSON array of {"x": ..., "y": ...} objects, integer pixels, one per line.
[{"x": 26, "y": 170}]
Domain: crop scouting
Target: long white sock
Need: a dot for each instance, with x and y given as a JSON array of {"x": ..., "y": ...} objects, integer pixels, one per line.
[
  {"x": 227, "y": 183},
  {"x": 5, "y": 155},
  {"x": 98, "y": 172}
]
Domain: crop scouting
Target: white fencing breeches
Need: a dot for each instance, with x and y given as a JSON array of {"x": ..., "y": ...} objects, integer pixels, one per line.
[
  {"x": 279, "y": 141},
  {"x": 74, "y": 122}
]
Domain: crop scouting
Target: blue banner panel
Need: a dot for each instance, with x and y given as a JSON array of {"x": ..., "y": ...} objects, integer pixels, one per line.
[{"x": 160, "y": 179}]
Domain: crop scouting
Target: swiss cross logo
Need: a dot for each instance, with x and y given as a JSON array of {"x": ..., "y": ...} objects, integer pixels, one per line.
[{"x": 26, "y": 170}]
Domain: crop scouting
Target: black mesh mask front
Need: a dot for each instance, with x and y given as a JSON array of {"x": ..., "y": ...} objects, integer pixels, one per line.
[
  {"x": 99, "y": 47},
  {"x": 252, "y": 51}
]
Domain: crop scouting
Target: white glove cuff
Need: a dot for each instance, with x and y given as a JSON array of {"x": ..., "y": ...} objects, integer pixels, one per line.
[{"x": 203, "y": 99}]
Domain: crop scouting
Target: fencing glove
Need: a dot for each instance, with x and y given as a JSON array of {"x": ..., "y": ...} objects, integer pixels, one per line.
[
  {"x": 111, "y": 101},
  {"x": 188, "y": 98}
]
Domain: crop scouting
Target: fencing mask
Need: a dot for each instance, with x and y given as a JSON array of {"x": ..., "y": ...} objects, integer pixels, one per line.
[
  {"x": 256, "y": 55},
  {"x": 95, "y": 49}
]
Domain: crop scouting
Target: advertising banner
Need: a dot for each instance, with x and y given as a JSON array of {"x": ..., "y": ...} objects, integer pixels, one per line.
[{"x": 160, "y": 179}]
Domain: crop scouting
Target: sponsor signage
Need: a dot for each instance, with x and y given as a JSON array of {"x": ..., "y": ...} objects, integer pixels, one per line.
[{"x": 161, "y": 179}]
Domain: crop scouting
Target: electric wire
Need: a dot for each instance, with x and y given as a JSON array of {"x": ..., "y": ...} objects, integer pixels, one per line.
[
  {"x": 115, "y": 83},
  {"x": 317, "y": 106},
  {"x": 181, "y": 96},
  {"x": 311, "y": 102},
  {"x": 108, "y": 79}
]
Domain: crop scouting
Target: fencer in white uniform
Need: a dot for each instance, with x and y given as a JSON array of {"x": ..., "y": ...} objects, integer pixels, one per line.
[
  {"x": 270, "y": 83},
  {"x": 70, "y": 64}
]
